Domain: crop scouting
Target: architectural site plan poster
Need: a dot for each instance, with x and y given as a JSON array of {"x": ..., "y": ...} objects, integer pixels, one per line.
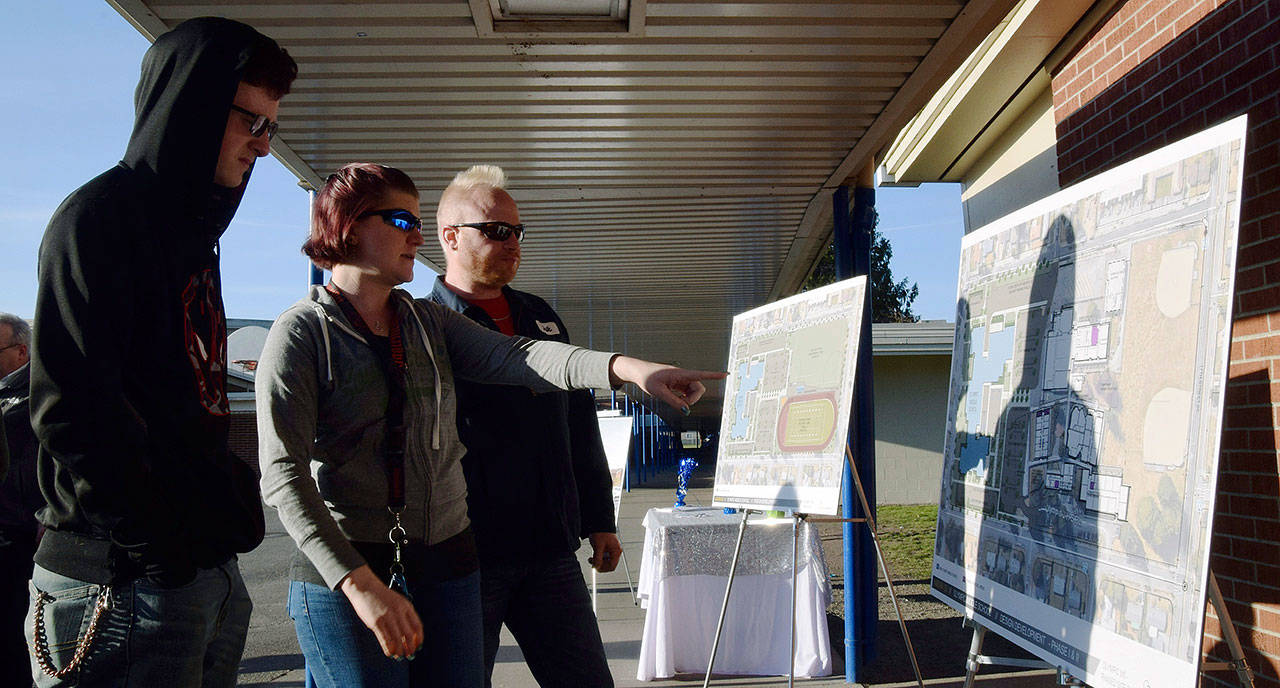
[
  {"x": 1081, "y": 451},
  {"x": 787, "y": 401},
  {"x": 615, "y": 435}
]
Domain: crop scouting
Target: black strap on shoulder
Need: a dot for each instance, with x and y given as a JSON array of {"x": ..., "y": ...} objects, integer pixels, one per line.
[{"x": 393, "y": 365}]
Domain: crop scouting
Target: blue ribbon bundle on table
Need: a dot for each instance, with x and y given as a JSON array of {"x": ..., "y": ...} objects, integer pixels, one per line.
[{"x": 687, "y": 465}]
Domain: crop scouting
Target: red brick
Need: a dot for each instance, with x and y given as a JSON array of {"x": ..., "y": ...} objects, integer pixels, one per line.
[
  {"x": 1242, "y": 368},
  {"x": 1236, "y": 483},
  {"x": 1262, "y": 642},
  {"x": 1266, "y": 203},
  {"x": 1247, "y": 279},
  {"x": 1235, "y": 526},
  {"x": 1265, "y": 250},
  {"x": 1262, "y": 39},
  {"x": 1229, "y": 61},
  {"x": 1235, "y": 568},
  {"x": 1248, "y": 461},
  {"x": 1247, "y": 417},
  {"x": 1235, "y": 440},
  {"x": 1221, "y": 546},
  {"x": 1265, "y": 393},
  {"x": 1268, "y": 484},
  {"x": 1249, "y": 326},
  {"x": 1263, "y": 507},
  {"x": 1264, "y": 440},
  {"x": 1267, "y": 616},
  {"x": 1264, "y": 156},
  {"x": 1265, "y": 299},
  {"x": 1262, "y": 348}
]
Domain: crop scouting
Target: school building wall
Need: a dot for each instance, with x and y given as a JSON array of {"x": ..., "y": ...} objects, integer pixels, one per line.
[
  {"x": 1153, "y": 72},
  {"x": 911, "y": 419}
]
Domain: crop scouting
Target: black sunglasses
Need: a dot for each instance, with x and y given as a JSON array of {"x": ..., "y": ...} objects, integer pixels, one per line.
[
  {"x": 495, "y": 230},
  {"x": 402, "y": 220},
  {"x": 261, "y": 125}
]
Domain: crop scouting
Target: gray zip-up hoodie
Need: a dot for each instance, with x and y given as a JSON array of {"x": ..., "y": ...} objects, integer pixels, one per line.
[{"x": 322, "y": 399}]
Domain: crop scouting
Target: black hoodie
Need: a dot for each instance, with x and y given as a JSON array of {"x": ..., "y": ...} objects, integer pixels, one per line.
[{"x": 128, "y": 377}]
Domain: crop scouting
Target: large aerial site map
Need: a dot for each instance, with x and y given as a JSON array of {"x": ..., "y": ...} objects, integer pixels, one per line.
[
  {"x": 787, "y": 399},
  {"x": 1092, "y": 335}
]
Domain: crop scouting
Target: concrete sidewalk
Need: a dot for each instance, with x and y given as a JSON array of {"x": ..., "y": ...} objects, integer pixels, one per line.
[{"x": 272, "y": 659}]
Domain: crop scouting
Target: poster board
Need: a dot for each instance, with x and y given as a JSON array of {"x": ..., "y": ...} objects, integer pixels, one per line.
[
  {"x": 787, "y": 401},
  {"x": 615, "y": 433},
  {"x": 1080, "y": 457}
]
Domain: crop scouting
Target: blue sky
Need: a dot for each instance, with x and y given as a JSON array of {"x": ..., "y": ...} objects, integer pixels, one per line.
[{"x": 68, "y": 70}]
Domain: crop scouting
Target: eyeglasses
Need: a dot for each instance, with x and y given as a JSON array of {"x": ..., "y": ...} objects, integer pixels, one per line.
[
  {"x": 260, "y": 125},
  {"x": 495, "y": 230},
  {"x": 402, "y": 220},
  {"x": 6, "y": 348}
]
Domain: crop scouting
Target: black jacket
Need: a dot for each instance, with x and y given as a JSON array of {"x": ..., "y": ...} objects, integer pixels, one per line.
[
  {"x": 128, "y": 377},
  {"x": 19, "y": 493},
  {"x": 537, "y": 478}
]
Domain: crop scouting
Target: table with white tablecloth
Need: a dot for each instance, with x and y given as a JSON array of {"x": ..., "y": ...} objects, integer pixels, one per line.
[{"x": 684, "y": 570}]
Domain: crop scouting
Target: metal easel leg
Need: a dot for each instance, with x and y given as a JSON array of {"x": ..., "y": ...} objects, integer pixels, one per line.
[
  {"x": 975, "y": 651},
  {"x": 724, "y": 607},
  {"x": 1238, "y": 662},
  {"x": 630, "y": 586},
  {"x": 884, "y": 567},
  {"x": 795, "y": 550}
]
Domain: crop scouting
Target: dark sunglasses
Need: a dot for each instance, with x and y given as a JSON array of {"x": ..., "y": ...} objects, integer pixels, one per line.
[
  {"x": 495, "y": 230},
  {"x": 402, "y": 220},
  {"x": 261, "y": 125}
]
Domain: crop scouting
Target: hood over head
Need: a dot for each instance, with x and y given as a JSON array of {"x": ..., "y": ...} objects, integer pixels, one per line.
[{"x": 189, "y": 79}]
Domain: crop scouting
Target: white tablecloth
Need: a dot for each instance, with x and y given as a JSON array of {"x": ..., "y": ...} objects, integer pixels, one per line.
[{"x": 683, "y": 573}]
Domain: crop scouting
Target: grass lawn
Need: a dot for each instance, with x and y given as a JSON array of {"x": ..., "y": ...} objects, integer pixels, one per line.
[{"x": 906, "y": 535}]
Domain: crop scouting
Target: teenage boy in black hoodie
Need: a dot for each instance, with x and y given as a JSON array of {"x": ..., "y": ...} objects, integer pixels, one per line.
[{"x": 136, "y": 575}]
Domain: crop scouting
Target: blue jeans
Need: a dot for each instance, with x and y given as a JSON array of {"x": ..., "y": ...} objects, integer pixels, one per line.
[
  {"x": 188, "y": 636},
  {"x": 546, "y": 605},
  {"x": 342, "y": 653}
]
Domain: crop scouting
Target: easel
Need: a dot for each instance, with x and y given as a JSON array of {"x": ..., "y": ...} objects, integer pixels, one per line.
[
  {"x": 795, "y": 546},
  {"x": 617, "y": 513},
  {"x": 1237, "y": 663}
]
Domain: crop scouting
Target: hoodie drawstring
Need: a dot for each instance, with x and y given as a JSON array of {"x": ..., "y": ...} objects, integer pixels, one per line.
[{"x": 328, "y": 350}]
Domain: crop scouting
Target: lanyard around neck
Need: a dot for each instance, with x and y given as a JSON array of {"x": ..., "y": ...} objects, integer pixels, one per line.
[{"x": 393, "y": 365}]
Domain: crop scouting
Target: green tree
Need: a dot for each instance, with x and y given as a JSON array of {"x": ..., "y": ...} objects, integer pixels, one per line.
[{"x": 890, "y": 301}]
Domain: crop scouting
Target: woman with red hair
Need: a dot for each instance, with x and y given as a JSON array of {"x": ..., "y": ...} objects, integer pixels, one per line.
[{"x": 360, "y": 452}]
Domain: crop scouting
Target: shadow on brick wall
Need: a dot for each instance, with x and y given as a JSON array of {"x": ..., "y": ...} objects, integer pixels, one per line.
[{"x": 1245, "y": 546}]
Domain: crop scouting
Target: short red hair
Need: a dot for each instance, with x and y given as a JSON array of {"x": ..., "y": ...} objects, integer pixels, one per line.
[{"x": 347, "y": 193}]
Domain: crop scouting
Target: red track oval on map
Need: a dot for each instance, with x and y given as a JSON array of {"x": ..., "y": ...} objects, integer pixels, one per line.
[{"x": 819, "y": 407}]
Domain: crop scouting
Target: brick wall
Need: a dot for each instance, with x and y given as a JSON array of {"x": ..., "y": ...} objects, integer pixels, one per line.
[
  {"x": 1154, "y": 72},
  {"x": 243, "y": 438}
]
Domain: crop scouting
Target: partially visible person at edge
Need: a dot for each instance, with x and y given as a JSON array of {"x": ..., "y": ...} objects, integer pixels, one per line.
[
  {"x": 136, "y": 580},
  {"x": 19, "y": 498},
  {"x": 537, "y": 478},
  {"x": 358, "y": 440}
]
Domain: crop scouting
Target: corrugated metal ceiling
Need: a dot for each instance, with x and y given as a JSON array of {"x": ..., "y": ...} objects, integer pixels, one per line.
[{"x": 671, "y": 175}]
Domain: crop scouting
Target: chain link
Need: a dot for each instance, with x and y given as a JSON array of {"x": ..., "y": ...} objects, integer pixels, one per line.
[{"x": 43, "y": 657}]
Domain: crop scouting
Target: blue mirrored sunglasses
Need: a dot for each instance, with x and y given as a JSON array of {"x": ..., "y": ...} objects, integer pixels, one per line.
[{"x": 402, "y": 220}]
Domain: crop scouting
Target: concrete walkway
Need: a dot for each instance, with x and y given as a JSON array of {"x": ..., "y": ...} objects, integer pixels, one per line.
[{"x": 272, "y": 659}]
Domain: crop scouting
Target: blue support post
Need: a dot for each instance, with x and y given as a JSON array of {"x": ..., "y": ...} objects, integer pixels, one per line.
[
  {"x": 853, "y": 258},
  {"x": 633, "y": 466},
  {"x": 317, "y": 275},
  {"x": 653, "y": 438}
]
